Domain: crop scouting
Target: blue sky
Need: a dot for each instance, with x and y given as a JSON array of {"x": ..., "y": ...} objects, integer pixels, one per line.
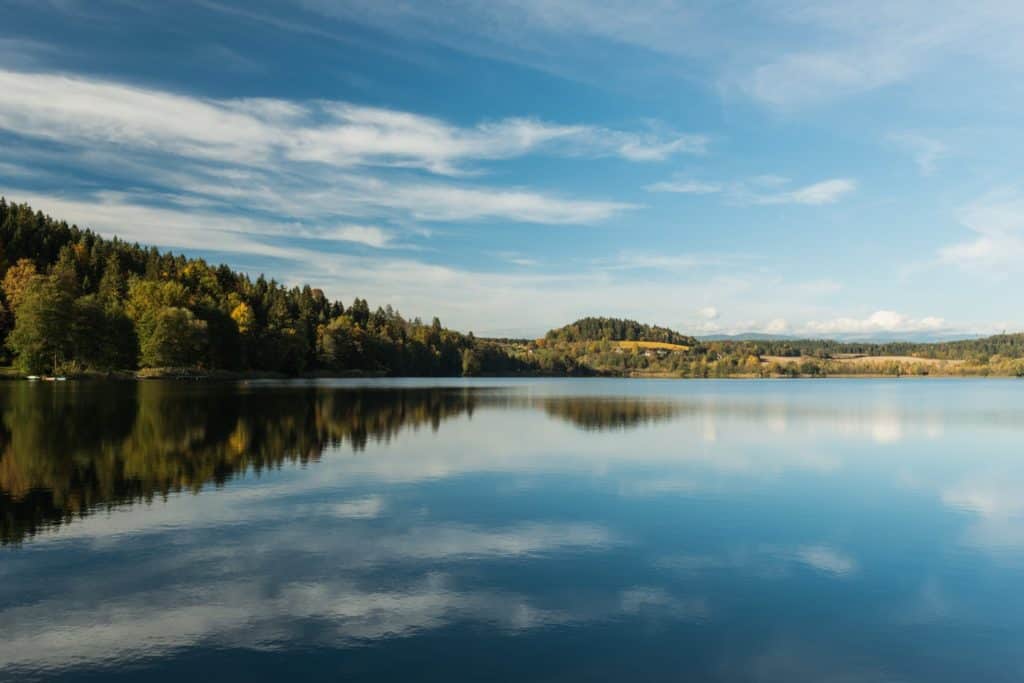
[{"x": 812, "y": 168}]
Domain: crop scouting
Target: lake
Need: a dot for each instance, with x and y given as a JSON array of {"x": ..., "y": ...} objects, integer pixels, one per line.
[{"x": 540, "y": 530}]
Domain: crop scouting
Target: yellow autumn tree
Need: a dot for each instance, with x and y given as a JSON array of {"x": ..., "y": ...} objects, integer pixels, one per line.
[
  {"x": 17, "y": 280},
  {"x": 244, "y": 317}
]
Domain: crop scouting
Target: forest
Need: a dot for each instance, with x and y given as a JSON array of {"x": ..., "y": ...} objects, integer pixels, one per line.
[
  {"x": 597, "y": 329},
  {"x": 75, "y": 303}
]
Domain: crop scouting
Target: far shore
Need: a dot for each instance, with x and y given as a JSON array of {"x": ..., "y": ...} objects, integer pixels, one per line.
[{"x": 196, "y": 374}]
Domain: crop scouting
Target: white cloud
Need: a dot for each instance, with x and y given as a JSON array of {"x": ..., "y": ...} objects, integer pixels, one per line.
[
  {"x": 682, "y": 186},
  {"x": 802, "y": 78},
  {"x": 650, "y": 148},
  {"x": 297, "y": 160},
  {"x": 709, "y": 313},
  {"x": 926, "y": 151},
  {"x": 435, "y": 202},
  {"x": 370, "y": 235},
  {"x": 764, "y": 189},
  {"x": 643, "y": 260},
  {"x": 997, "y": 220},
  {"x": 879, "y": 321},
  {"x": 824, "y": 192},
  {"x": 82, "y": 111}
]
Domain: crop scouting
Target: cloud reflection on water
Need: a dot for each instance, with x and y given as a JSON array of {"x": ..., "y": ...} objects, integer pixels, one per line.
[{"x": 259, "y": 518}]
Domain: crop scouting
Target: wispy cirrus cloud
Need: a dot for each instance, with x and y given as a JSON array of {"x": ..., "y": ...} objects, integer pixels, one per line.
[
  {"x": 997, "y": 222},
  {"x": 651, "y": 147},
  {"x": 336, "y": 134},
  {"x": 685, "y": 186},
  {"x": 786, "y": 55},
  {"x": 767, "y": 189},
  {"x": 804, "y": 78},
  {"x": 815, "y": 194},
  {"x": 370, "y": 235},
  {"x": 446, "y": 202},
  {"x": 298, "y": 161},
  {"x": 925, "y": 151},
  {"x": 649, "y": 260}
]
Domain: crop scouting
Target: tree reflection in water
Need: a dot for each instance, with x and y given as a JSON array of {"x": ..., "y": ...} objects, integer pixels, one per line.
[{"x": 68, "y": 451}]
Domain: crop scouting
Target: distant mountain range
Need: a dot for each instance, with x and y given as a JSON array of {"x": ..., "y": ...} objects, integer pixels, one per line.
[
  {"x": 866, "y": 338},
  {"x": 745, "y": 336}
]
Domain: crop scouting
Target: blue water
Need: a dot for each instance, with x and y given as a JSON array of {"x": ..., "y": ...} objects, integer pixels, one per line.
[{"x": 542, "y": 530}]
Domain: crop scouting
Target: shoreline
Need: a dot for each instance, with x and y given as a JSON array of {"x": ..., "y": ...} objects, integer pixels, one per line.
[{"x": 192, "y": 375}]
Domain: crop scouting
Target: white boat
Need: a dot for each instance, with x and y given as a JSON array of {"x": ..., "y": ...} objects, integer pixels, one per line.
[{"x": 33, "y": 378}]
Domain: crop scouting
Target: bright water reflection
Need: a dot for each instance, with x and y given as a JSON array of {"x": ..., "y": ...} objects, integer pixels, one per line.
[{"x": 562, "y": 529}]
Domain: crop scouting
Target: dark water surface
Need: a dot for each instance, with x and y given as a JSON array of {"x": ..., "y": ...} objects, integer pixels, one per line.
[{"x": 542, "y": 530}]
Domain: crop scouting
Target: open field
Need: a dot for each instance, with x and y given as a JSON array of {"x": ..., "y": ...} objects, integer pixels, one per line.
[{"x": 631, "y": 345}]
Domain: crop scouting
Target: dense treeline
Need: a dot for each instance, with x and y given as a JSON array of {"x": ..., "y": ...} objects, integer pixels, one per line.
[
  {"x": 617, "y": 329},
  {"x": 73, "y": 301},
  {"x": 622, "y": 358},
  {"x": 1006, "y": 345},
  {"x": 624, "y": 347}
]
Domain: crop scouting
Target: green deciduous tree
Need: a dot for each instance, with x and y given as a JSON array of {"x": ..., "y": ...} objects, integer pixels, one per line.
[
  {"x": 174, "y": 338},
  {"x": 41, "y": 338},
  {"x": 338, "y": 344}
]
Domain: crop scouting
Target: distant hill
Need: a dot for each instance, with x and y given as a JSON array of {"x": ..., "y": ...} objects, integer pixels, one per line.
[{"x": 617, "y": 329}]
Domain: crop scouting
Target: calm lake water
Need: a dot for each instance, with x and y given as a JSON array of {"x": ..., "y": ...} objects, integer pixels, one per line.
[{"x": 541, "y": 530}]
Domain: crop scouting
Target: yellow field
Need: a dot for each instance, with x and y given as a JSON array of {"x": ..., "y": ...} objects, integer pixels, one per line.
[{"x": 631, "y": 345}]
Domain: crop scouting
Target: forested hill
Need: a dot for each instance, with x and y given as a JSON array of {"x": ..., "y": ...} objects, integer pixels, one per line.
[
  {"x": 72, "y": 301},
  {"x": 617, "y": 329}
]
